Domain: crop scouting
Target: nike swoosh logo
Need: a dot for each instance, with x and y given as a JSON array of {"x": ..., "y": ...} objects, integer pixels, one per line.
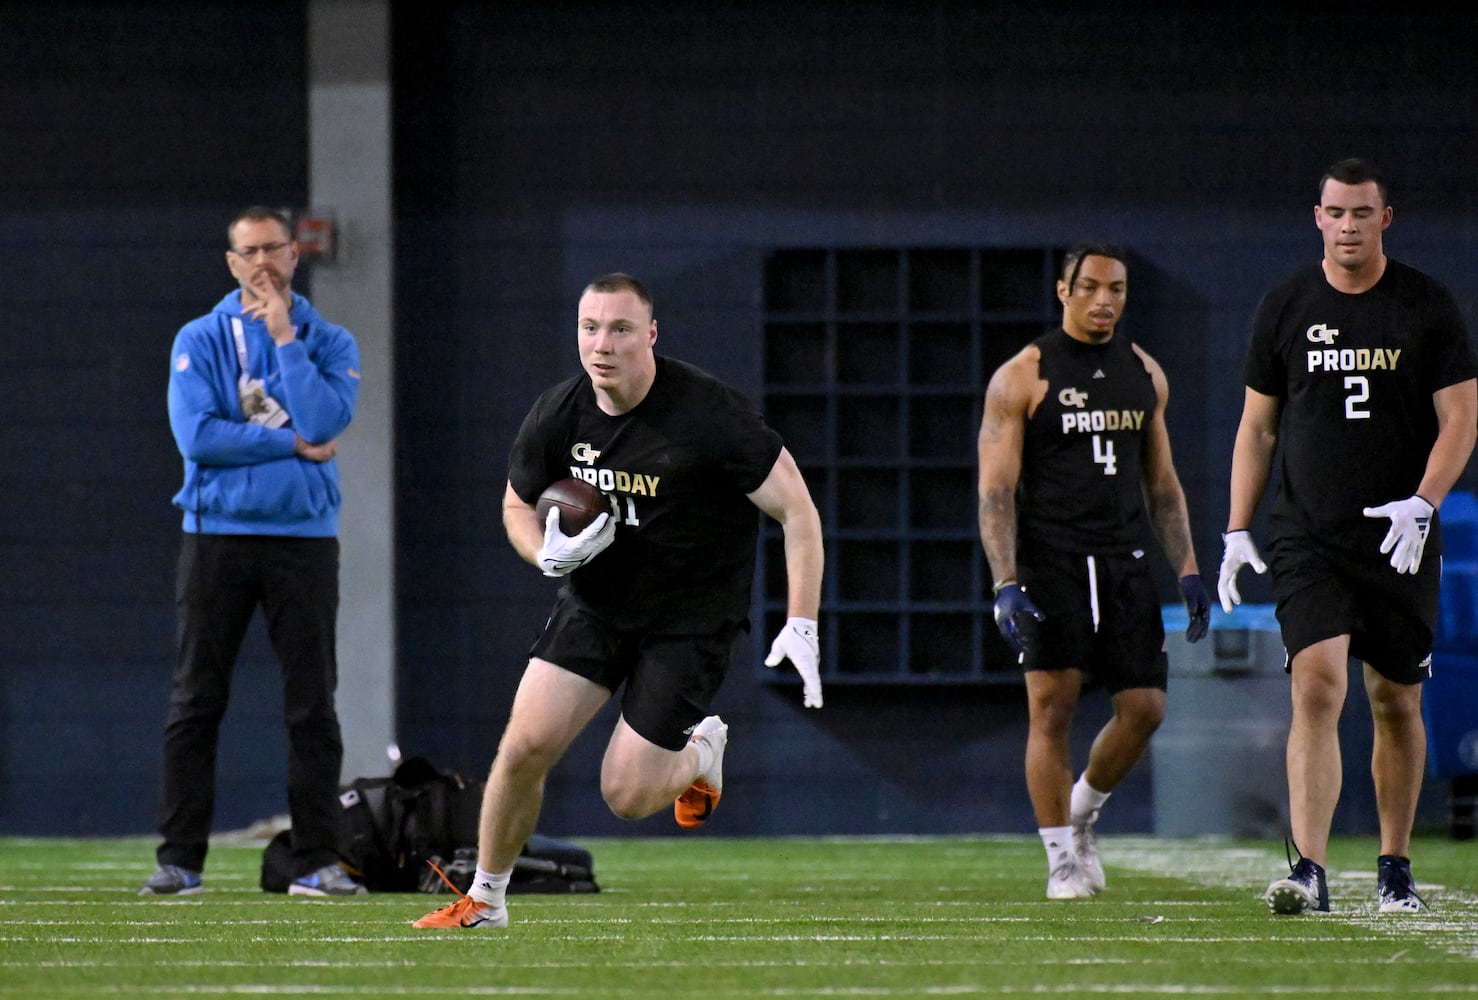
[{"x": 707, "y": 808}]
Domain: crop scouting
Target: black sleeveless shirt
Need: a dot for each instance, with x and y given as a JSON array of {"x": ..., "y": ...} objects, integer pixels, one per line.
[{"x": 1081, "y": 489}]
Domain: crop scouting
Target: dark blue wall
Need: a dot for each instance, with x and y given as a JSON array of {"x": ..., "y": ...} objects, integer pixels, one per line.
[
  {"x": 550, "y": 145},
  {"x": 132, "y": 133},
  {"x": 538, "y": 145}
]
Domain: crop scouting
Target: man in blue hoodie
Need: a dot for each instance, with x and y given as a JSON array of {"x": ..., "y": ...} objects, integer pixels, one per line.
[{"x": 259, "y": 391}]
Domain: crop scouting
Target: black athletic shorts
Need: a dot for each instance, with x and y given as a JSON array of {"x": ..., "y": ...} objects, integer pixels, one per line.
[
  {"x": 670, "y": 680},
  {"x": 1102, "y": 617},
  {"x": 1322, "y": 591}
]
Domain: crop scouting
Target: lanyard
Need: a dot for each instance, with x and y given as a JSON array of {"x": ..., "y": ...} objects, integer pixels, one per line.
[{"x": 239, "y": 333}]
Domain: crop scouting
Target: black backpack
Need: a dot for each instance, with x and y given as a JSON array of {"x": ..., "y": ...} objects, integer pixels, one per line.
[{"x": 390, "y": 828}]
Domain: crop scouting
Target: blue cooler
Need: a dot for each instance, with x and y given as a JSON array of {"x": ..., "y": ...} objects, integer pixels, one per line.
[
  {"x": 1450, "y": 708},
  {"x": 1450, "y": 695}
]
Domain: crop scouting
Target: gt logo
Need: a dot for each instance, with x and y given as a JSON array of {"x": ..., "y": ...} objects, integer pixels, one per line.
[
  {"x": 1321, "y": 334},
  {"x": 582, "y": 452},
  {"x": 1072, "y": 397}
]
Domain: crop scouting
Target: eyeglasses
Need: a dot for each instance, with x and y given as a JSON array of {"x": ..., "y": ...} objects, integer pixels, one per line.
[{"x": 266, "y": 250}]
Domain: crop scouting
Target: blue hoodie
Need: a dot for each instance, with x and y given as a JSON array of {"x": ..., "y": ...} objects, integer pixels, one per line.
[{"x": 243, "y": 478}]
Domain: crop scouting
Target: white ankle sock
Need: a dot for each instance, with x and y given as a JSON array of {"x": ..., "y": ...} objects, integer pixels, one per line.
[
  {"x": 1085, "y": 800},
  {"x": 705, "y": 758},
  {"x": 490, "y": 887},
  {"x": 1059, "y": 843}
]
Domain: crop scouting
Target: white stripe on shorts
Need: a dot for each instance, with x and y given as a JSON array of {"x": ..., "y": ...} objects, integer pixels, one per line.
[{"x": 1093, "y": 591}]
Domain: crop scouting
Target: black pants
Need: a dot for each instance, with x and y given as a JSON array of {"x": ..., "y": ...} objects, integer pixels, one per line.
[{"x": 220, "y": 583}]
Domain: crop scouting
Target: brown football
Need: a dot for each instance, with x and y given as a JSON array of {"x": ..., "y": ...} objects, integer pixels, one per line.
[{"x": 579, "y": 503}]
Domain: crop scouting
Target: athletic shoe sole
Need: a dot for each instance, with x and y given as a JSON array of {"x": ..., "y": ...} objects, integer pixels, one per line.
[{"x": 1286, "y": 898}]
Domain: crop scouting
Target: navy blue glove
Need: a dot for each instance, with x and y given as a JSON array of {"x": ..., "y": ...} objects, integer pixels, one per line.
[
  {"x": 1017, "y": 617},
  {"x": 1197, "y": 605}
]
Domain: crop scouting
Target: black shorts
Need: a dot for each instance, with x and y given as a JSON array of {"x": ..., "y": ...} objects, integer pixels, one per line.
[
  {"x": 1322, "y": 592},
  {"x": 670, "y": 680},
  {"x": 1102, "y": 617}
]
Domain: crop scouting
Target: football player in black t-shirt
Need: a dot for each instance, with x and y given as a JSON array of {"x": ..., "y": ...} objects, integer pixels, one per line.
[
  {"x": 657, "y": 591},
  {"x": 1073, "y": 446},
  {"x": 1360, "y": 368}
]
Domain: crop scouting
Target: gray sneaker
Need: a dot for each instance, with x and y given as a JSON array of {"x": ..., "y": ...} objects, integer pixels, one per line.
[
  {"x": 172, "y": 880},
  {"x": 330, "y": 880}
]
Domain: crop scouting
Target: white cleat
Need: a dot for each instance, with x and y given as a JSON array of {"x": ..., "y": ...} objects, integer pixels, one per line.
[
  {"x": 1085, "y": 846},
  {"x": 1067, "y": 881}
]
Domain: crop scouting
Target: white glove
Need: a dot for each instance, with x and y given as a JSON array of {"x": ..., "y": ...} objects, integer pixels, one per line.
[
  {"x": 1239, "y": 552},
  {"x": 561, "y": 553},
  {"x": 1410, "y": 519},
  {"x": 797, "y": 640}
]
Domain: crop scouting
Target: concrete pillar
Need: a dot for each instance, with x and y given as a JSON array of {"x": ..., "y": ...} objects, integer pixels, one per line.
[{"x": 349, "y": 178}]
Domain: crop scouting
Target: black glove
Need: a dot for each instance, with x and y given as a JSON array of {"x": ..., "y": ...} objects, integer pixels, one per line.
[
  {"x": 1197, "y": 605},
  {"x": 1017, "y": 617}
]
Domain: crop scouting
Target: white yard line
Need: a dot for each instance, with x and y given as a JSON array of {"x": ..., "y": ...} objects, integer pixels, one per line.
[{"x": 1450, "y": 922}]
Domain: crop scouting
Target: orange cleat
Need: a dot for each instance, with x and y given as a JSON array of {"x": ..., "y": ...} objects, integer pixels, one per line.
[
  {"x": 465, "y": 913},
  {"x": 694, "y": 806}
]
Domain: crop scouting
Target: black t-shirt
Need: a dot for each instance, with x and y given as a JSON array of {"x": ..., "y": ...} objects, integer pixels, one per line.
[
  {"x": 1355, "y": 376},
  {"x": 1081, "y": 487},
  {"x": 681, "y": 465}
]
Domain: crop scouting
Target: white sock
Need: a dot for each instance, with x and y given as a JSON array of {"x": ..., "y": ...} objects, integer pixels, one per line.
[
  {"x": 1059, "y": 843},
  {"x": 705, "y": 757},
  {"x": 490, "y": 887},
  {"x": 1086, "y": 800}
]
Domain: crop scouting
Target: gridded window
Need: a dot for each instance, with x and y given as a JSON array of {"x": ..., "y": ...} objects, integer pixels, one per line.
[{"x": 875, "y": 367}]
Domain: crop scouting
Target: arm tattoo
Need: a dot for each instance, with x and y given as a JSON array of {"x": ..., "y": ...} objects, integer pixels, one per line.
[
  {"x": 997, "y": 515},
  {"x": 1171, "y": 523}
]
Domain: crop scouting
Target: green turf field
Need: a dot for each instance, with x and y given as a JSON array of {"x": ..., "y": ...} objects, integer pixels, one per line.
[{"x": 712, "y": 918}]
